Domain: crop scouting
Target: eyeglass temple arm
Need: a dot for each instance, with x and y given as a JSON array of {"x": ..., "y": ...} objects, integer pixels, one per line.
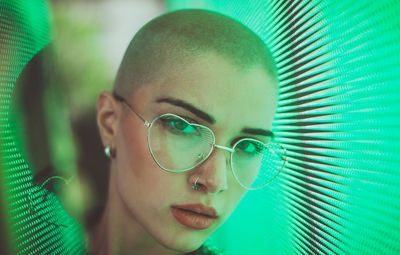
[{"x": 122, "y": 100}]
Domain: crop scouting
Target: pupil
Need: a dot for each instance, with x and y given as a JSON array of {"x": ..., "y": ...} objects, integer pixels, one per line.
[
  {"x": 249, "y": 147},
  {"x": 244, "y": 145},
  {"x": 180, "y": 124}
]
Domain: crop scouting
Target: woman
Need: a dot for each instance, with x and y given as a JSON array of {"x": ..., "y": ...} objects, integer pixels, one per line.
[{"x": 192, "y": 108}]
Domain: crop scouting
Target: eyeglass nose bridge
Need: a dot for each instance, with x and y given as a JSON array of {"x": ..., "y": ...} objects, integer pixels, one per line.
[{"x": 224, "y": 148}]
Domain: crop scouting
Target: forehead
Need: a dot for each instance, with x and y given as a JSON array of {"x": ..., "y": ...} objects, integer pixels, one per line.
[{"x": 234, "y": 97}]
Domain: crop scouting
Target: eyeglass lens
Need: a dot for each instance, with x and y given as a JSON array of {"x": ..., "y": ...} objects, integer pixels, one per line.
[{"x": 177, "y": 145}]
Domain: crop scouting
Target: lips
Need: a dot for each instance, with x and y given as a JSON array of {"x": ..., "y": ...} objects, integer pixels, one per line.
[{"x": 195, "y": 216}]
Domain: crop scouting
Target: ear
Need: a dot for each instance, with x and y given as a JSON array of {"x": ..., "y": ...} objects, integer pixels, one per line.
[{"x": 108, "y": 114}]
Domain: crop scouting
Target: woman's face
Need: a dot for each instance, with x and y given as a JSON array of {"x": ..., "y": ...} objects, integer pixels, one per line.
[{"x": 235, "y": 99}]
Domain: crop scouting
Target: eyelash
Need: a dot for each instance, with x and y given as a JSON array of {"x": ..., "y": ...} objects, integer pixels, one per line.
[
  {"x": 192, "y": 121},
  {"x": 239, "y": 138}
]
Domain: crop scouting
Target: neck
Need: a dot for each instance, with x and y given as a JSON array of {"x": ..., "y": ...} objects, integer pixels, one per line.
[{"x": 118, "y": 232}]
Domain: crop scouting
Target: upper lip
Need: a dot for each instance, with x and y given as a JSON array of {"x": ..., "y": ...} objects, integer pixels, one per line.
[{"x": 199, "y": 208}]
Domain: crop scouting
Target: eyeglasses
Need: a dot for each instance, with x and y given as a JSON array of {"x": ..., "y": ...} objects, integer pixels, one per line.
[{"x": 177, "y": 145}]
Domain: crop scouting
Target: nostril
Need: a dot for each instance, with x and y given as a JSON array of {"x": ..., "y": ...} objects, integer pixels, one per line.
[{"x": 213, "y": 172}]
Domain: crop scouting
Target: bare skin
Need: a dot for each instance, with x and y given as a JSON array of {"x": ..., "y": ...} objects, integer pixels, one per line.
[{"x": 137, "y": 218}]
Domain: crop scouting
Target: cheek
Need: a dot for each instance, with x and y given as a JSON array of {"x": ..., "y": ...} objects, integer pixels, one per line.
[
  {"x": 133, "y": 157},
  {"x": 138, "y": 156},
  {"x": 137, "y": 172},
  {"x": 234, "y": 194}
]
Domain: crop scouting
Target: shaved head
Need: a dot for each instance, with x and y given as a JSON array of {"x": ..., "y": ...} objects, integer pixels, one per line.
[
  {"x": 172, "y": 40},
  {"x": 205, "y": 81}
]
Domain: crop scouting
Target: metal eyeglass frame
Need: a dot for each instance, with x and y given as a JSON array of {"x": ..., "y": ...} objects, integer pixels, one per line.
[{"x": 204, "y": 158}]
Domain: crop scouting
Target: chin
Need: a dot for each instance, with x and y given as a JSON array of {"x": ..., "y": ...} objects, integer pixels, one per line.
[
  {"x": 186, "y": 243},
  {"x": 185, "y": 249}
]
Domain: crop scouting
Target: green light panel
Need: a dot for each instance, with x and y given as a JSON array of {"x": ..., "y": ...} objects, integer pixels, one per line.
[
  {"x": 338, "y": 117},
  {"x": 33, "y": 221}
]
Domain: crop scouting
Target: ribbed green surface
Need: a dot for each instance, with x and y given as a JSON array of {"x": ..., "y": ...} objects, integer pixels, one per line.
[
  {"x": 338, "y": 117},
  {"x": 24, "y": 31}
]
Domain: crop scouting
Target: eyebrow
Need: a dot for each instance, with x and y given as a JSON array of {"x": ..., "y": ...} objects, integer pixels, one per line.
[
  {"x": 180, "y": 103},
  {"x": 258, "y": 131},
  {"x": 207, "y": 117}
]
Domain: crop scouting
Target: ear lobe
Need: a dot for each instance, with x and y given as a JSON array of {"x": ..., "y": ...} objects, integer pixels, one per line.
[{"x": 108, "y": 112}]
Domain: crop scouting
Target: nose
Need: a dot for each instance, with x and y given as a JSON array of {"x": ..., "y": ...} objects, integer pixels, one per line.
[{"x": 211, "y": 175}]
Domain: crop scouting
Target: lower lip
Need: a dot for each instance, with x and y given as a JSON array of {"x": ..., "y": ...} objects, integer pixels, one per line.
[{"x": 192, "y": 220}]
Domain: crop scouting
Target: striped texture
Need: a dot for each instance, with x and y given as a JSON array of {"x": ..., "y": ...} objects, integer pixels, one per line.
[
  {"x": 339, "y": 119},
  {"x": 24, "y": 31}
]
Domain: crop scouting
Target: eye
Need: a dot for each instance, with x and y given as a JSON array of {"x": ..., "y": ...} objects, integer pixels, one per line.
[
  {"x": 249, "y": 146},
  {"x": 178, "y": 125}
]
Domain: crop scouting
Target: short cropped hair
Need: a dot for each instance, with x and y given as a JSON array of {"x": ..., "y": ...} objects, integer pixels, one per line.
[{"x": 180, "y": 36}]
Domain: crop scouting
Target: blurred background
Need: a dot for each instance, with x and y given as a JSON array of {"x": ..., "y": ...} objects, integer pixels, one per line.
[
  {"x": 338, "y": 118},
  {"x": 59, "y": 90},
  {"x": 56, "y": 57}
]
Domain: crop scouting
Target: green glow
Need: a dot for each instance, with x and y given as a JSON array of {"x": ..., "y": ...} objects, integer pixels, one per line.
[
  {"x": 339, "y": 119},
  {"x": 24, "y": 31}
]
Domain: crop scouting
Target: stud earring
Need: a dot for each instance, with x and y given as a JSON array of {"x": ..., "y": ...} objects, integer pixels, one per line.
[{"x": 107, "y": 151}]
